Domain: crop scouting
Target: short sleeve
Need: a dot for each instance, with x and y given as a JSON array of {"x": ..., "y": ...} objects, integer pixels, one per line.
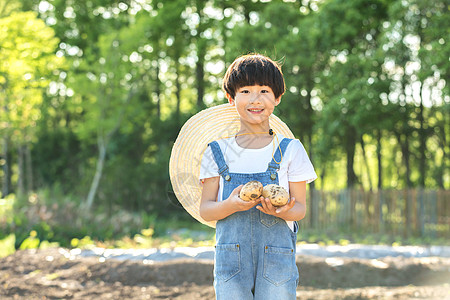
[
  {"x": 208, "y": 166},
  {"x": 300, "y": 167}
]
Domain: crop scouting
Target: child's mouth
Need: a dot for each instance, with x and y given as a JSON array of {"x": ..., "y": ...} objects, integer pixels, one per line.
[{"x": 255, "y": 110}]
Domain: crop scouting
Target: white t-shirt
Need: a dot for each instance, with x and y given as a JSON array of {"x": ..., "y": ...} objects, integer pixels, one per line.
[{"x": 295, "y": 165}]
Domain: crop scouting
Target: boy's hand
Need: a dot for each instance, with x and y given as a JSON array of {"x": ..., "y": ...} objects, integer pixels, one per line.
[
  {"x": 267, "y": 207},
  {"x": 237, "y": 203}
]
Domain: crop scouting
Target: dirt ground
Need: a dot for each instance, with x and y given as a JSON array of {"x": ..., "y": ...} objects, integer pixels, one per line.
[{"x": 48, "y": 274}]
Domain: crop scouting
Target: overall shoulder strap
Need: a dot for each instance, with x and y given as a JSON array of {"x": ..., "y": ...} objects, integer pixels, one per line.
[
  {"x": 219, "y": 159},
  {"x": 274, "y": 164}
]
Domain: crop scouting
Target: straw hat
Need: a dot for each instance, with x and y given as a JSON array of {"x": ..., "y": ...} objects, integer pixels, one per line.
[{"x": 206, "y": 126}]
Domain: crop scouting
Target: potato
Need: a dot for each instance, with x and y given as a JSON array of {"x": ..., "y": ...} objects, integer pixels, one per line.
[
  {"x": 251, "y": 191},
  {"x": 277, "y": 195}
]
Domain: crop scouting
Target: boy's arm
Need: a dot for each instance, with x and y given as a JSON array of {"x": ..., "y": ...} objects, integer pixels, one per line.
[
  {"x": 213, "y": 210},
  {"x": 295, "y": 210}
]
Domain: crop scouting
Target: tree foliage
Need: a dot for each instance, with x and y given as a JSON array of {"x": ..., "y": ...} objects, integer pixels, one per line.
[{"x": 97, "y": 90}]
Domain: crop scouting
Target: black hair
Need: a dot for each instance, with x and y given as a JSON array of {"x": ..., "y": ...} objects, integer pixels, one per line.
[{"x": 254, "y": 69}]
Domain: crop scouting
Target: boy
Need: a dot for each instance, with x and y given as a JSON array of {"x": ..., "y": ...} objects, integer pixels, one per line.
[{"x": 255, "y": 241}]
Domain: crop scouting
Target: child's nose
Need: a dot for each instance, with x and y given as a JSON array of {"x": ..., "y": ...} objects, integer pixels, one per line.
[{"x": 255, "y": 97}]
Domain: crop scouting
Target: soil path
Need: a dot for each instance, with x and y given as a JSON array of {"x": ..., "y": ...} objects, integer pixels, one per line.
[{"x": 49, "y": 274}]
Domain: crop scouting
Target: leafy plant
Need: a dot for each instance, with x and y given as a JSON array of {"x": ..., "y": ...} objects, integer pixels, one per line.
[{"x": 7, "y": 245}]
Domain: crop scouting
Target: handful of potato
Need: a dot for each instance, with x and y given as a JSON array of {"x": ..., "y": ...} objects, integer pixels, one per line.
[{"x": 277, "y": 194}]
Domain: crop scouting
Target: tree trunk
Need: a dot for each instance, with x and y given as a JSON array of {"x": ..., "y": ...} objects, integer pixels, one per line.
[
  {"x": 350, "y": 152},
  {"x": 21, "y": 166},
  {"x": 200, "y": 77},
  {"x": 178, "y": 91},
  {"x": 314, "y": 204},
  {"x": 423, "y": 141},
  {"x": 98, "y": 172},
  {"x": 351, "y": 176},
  {"x": 158, "y": 91},
  {"x": 6, "y": 182},
  {"x": 224, "y": 31},
  {"x": 379, "y": 161},
  {"x": 366, "y": 164},
  {"x": 407, "y": 164},
  {"x": 29, "y": 168},
  {"x": 380, "y": 181},
  {"x": 201, "y": 52},
  {"x": 440, "y": 178},
  {"x": 404, "y": 146},
  {"x": 322, "y": 178},
  {"x": 102, "y": 142}
]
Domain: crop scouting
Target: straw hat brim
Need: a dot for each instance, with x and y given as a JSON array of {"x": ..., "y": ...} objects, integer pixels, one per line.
[{"x": 208, "y": 125}]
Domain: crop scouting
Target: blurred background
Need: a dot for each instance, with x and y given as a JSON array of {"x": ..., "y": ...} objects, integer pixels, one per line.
[{"x": 94, "y": 92}]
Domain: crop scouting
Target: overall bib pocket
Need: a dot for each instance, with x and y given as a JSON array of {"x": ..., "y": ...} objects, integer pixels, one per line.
[
  {"x": 268, "y": 220},
  {"x": 227, "y": 261},
  {"x": 279, "y": 264}
]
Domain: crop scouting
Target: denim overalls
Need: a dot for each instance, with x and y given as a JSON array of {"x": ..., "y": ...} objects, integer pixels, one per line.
[{"x": 255, "y": 252}]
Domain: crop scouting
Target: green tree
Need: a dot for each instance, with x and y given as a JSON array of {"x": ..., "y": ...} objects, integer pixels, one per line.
[
  {"x": 434, "y": 74},
  {"x": 414, "y": 62},
  {"x": 360, "y": 75},
  {"x": 28, "y": 64},
  {"x": 349, "y": 31},
  {"x": 105, "y": 108}
]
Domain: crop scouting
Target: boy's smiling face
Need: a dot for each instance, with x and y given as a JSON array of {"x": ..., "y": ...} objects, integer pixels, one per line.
[{"x": 254, "y": 104}]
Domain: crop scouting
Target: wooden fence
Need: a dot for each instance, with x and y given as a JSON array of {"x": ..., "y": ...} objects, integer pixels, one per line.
[{"x": 414, "y": 212}]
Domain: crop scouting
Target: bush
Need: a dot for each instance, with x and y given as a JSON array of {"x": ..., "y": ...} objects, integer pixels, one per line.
[{"x": 50, "y": 216}]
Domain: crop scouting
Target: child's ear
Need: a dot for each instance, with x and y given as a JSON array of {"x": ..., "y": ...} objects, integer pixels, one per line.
[
  {"x": 277, "y": 101},
  {"x": 230, "y": 99}
]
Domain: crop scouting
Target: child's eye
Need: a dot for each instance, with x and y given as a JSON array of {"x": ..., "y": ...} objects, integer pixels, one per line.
[
  {"x": 265, "y": 91},
  {"x": 244, "y": 91}
]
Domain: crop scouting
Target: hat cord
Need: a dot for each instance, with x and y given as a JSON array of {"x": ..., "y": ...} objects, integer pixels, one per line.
[{"x": 271, "y": 132}]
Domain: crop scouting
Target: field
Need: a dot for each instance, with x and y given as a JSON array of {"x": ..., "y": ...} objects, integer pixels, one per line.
[{"x": 48, "y": 274}]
